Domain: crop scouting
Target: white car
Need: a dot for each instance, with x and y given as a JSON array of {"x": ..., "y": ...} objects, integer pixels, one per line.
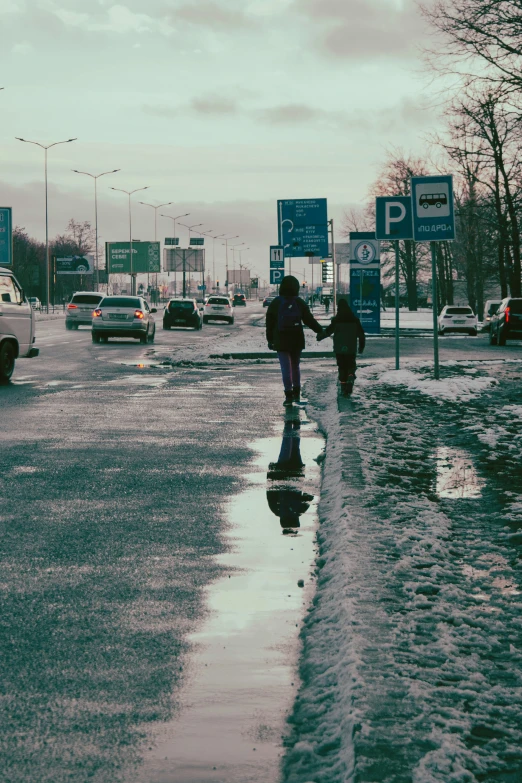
[
  {"x": 457, "y": 319},
  {"x": 17, "y": 325},
  {"x": 34, "y": 302},
  {"x": 218, "y": 308},
  {"x": 123, "y": 316}
]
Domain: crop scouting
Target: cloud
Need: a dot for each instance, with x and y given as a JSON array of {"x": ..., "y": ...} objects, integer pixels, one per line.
[
  {"x": 301, "y": 114},
  {"x": 364, "y": 29},
  {"x": 213, "y": 15},
  {"x": 212, "y": 105}
]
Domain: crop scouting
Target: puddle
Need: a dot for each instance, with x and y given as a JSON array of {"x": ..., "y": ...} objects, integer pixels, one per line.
[
  {"x": 456, "y": 475},
  {"x": 244, "y": 680}
]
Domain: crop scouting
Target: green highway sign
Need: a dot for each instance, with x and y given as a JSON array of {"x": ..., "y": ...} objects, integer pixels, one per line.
[
  {"x": 197, "y": 241},
  {"x": 145, "y": 258},
  {"x": 6, "y": 236}
]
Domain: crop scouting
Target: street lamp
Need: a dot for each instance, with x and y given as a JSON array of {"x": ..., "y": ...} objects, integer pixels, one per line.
[
  {"x": 155, "y": 208},
  {"x": 129, "y": 194},
  {"x": 95, "y": 177},
  {"x": 218, "y": 236},
  {"x": 194, "y": 225},
  {"x": 46, "y": 147},
  {"x": 227, "y": 240},
  {"x": 170, "y": 217}
]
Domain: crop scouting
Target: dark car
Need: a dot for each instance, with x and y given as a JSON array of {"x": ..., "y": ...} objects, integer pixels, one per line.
[
  {"x": 182, "y": 312},
  {"x": 268, "y": 300},
  {"x": 506, "y": 323},
  {"x": 239, "y": 299}
]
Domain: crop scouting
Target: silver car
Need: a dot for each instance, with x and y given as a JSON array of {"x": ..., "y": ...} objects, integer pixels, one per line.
[
  {"x": 79, "y": 310},
  {"x": 123, "y": 316}
]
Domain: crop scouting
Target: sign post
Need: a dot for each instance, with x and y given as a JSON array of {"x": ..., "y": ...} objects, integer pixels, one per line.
[
  {"x": 6, "y": 236},
  {"x": 365, "y": 279},
  {"x": 277, "y": 264},
  {"x": 433, "y": 221},
  {"x": 394, "y": 221}
]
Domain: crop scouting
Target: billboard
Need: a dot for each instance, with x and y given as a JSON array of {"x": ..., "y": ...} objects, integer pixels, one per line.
[
  {"x": 6, "y": 236},
  {"x": 74, "y": 265},
  {"x": 145, "y": 258},
  {"x": 239, "y": 277},
  {"x": 179, "y": 259}
]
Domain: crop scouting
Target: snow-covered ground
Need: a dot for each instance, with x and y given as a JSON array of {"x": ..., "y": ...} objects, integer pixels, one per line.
[{"x": 412, "y": 650}]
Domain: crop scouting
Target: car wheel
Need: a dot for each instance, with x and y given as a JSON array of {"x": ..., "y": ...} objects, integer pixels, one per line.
[
  {"x": 95, "y": 337},
  {"x": 231, "y": 321},
  {"x": 144, "y": 338},
  {"x": 68, "y": 326},
  {"x": 205, "y": 320},
  {"x": 473, "y": 332},
  {"x": 104, "y": 339},
  {"x": 166, "y": 326},
  {"x": 501, "y": 337},
  {"x": 441, "y": 332},
  {"x": 492, "y": 337},
  {"x": 7, "y": 361},
  {"x": 152, "y": 336}
]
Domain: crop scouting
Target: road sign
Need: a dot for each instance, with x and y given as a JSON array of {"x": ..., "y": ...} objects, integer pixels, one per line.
[
  {"x": 433, "y": 209},
  {"x": 303, "y": 227},
  {"x": 365, "y": 250},
  {"x": 277, "y": 257},
  {"x": 6, "y": 236},
  {"x": 276, "y": 275},
  {"x": 179, "y": 259},
  {"x": 197, "y": 241},
  {"x": 172, "y": 240},
  {"x": 145, "y": 257},
  {"x": 393, "y": 217},
  {"x": 365, "y": 297}
]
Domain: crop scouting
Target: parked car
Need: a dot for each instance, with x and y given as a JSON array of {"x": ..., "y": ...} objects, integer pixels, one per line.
[
  {"x": 79, "y": 310},
  {"x": 34, "y": 302},
  {"x": 268, "y": 300},
  {"x": 218, "y": 308},
  {"x": 17, "y": 325},
  {"x": 457, "y": 319},
  {"x": 506, "y": 322},
  {"x": 490, "y": 307},
  {"x": 239, "y": 300},
  {"x": 123, "y": 316},
  {"x": 182, "y": 312}
]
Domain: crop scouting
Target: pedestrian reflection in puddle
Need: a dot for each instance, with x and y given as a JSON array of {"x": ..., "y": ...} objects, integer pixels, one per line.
[{"x": 288, "y": 501}]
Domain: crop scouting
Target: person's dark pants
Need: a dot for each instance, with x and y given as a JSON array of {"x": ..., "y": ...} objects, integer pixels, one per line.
[
  {"x": 290, "y": 370},
  {"x": 347, "y": 366}
]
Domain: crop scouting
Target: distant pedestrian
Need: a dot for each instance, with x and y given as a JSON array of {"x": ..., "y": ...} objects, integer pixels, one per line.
[
  {"x": 285, "y": 317},
  {"x": 326, "y": 302},
  {"x": 347, "y": 332}
]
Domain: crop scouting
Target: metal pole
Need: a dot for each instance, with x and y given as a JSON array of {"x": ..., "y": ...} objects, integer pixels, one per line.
[
  {"x": 334, "y": 267},
  {"x": 312, "y": 297},
  {"x": 97, "y": 276},
  {"x": 184, "y": 273},
  {"x": 226, "y": 264},
  {"x": 361, "y": 272},
  {"x": 435, "y": 309},
  {"x": 48, "y": 270},
  {"x": 397, "y": 303},
  {"x": 133, "y": 279}
]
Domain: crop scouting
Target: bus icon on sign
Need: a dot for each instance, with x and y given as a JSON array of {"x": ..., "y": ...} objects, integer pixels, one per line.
[{"x": 432, "y": 201}]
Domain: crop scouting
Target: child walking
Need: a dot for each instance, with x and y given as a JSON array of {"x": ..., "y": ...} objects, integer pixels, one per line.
[
  {"x": 347, "y": 331},
  {"x": 284, "y": 333}
]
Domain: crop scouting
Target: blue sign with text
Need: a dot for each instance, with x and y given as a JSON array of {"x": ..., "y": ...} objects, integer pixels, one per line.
[
  {"x": 433, "y": 208},
  {"x": 393, "y": 217},
  {"x": 365, "y": 298},
  {"x": 6, "y": 236},
  {"x": 303, "y": 227},
  {"x": 276, "y": 275}
]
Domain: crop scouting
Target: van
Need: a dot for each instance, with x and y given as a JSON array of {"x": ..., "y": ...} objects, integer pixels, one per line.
[
  {"x": 17, "y": 325},
  {"x": 490, "y": 308}
]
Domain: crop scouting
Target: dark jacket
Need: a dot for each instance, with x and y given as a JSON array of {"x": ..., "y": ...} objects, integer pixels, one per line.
[
  {"x": 346, "y": 330},
  {"x": 292, "y": 341}
]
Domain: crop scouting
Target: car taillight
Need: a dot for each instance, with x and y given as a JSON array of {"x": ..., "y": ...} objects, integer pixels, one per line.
[
  {"x": 508, "y": 311},
  {"x": 138, "y": 314},
  {"x": 96, "y": 313},
  {"x": 72, "y": 307}
]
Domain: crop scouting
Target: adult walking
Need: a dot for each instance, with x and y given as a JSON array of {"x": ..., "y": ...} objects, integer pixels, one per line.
[{"x": 284, "y": 333}]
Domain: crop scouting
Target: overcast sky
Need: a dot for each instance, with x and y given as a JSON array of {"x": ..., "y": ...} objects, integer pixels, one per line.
[{"x": 221, "y": 106}]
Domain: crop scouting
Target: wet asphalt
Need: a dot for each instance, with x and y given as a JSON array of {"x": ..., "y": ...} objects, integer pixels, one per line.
[{"x": 116, "y": 479}]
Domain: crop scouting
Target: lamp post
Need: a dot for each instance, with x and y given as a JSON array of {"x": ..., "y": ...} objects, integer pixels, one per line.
[
  {"x": 218, "y": 236},
  {"x": 241, "y": 266},
  {"x": 46, "y": 147},
  {"x": 227, "y": 240},
  {"x": 194, "y": 225},
  {"x": 233, "y": 247},
  {"x": 155, "y": 208},
  {"x": 170, "y": 217},
  {"x": 129, "y": 194},
  {"x": 95, "y": 177}
]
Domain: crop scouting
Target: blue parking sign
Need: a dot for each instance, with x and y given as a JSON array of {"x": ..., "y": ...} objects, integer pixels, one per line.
[
  {"x": 433, "y": 208},
  {"x": 6, "y": 236},
  {"x": 276, "y": 275},
  {"x": 393, "y": 217}
]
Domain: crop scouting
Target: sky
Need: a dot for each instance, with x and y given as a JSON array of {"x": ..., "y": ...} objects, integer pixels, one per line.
[{"x": 219, "y": 106}]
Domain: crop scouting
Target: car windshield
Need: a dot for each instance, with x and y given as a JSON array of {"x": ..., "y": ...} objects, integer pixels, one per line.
[
  {"x": 218, "y": 301},
  {"x": 459, "y": 311},
  {"x": 120, "y": 301},
  {"x": 181, "y": 305},
  {"x": 515, "y": 306},
  {"x": 493, "y": 308},
  {"x": 88, "y": 299}
]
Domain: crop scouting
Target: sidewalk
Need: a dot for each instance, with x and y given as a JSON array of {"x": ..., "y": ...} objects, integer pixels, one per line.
[{"x": 412, "y": 649}]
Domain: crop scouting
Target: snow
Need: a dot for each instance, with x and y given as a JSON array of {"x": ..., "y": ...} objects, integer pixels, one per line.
[{"x": 412, "y": 647}]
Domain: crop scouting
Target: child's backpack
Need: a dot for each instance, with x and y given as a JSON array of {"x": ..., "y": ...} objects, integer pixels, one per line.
[
  {"x": 289, "y": 314},
  {"x": 345, "y": 337}
]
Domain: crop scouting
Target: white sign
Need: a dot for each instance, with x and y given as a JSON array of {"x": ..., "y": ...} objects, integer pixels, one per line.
[
  {"x": 365, "y": 251},
  {"x": 432, "y": 200},
  {"x": 277, "y": 253}
]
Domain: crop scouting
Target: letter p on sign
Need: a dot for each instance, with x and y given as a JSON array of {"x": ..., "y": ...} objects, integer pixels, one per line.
[{"x": 396, "y": 218}]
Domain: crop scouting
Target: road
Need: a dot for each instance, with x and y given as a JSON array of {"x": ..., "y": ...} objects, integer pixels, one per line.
[{"x": 127, "y": 487}]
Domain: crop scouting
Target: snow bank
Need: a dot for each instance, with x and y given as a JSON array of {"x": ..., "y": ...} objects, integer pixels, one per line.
[{"x": 455, "y": 388}]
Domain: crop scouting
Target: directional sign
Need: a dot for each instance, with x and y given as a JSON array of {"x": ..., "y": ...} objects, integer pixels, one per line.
[
  {"x": 393, "y": 217},
  {"x": 277, "y": 257},
  {"x": 197, "y": 241},
  {"x": 365, "y": 297},
  {"x": 303, "y": 227},
  {"x": 276, "y": 275},
  {"x": 6, "y": 236},
  {"x": 433, "y": 209},
  {"x": 172, "y": 240}
]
